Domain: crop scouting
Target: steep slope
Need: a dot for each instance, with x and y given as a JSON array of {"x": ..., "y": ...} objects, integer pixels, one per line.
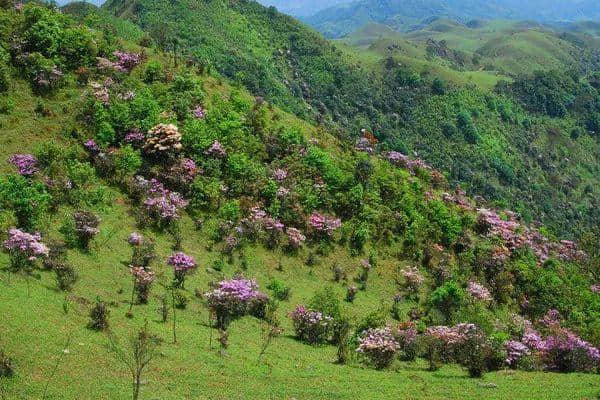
[
  {"x": 281, "y": 60},
  {"x": 245, "y": 168}
]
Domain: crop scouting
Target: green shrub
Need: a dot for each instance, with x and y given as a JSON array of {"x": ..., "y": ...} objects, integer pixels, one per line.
[{"x": 279, "y": 289}]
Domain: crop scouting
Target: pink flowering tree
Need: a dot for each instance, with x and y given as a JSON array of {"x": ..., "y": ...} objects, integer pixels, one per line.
[
  {"x": 142, "y": 283},
  {"x": 323, "y": 225},
  {"x": 24, "y": 249},
  {"x": 478, "y": 291},
  {"x": 182, "y": 265},
  {"x": 86, "y": 227},
  {"x": 311, "y": 326},
  {"x": 412, "y": 281},
  {"x": 143, "y": 250},
  {"x": 378, "y": 346},
  {"x": 295, "y": 238},
  {"x": 235, "y": 298}
]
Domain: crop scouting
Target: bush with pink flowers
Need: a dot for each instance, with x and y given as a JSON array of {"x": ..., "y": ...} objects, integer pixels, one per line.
[
  {"x": 234, "y": 298},
  {"x": 378, "y": 346},
  {"x": 182, "y": 264},
  {"x": 24, "y": 249},
  {"x": 27, "y": 164},
  {"x": 143, "y": 279},
  {"x": 311, "y": 326}
]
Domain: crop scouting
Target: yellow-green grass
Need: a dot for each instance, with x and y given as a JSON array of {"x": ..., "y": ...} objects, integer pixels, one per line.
[{"x": 39, "y": 335}]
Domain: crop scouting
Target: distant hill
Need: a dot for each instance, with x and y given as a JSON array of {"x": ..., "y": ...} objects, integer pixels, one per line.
[
  {"x": 404, "y": 14},
  {"x": 302, "y": 7}
]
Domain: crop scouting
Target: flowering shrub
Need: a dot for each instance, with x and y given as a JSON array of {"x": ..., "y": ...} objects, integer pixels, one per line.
[
  {"x": 324, "y": 223},
  {"x": 86, "y": 227},
  {"x": 234, "y": 298},
  {"x": 564, "y": 351},
  {"x": 143, "y": 250},
  {"x": 280, "y": 174},
  {"x": 198, "y": 112},
  {"x": 413, "y": 279},
  {"x": 515, "y": 351},
  {"x": 404, "y": 161},
  {"x": 24, "y": 248},
  {"x": 143, "y": 279},
  {"x": 379, "y": 346},
  {"x": 295, "y": 237},
  {"x": 311, "y": 326},
  {"x": 163, "y": 139},
  {"x": 182, "y": 265},
  {"x": 216, "y": 149},
  {"x": 515, "y": 236},
  {"x": 26, "y": 164},
  {"x": 134, "y": 137},
  {"x": 406, "y": 336},
  {"x": 479, "y": 291},
  {"x": 126, "y": 61},
  {"x": 162, "y": 204}
]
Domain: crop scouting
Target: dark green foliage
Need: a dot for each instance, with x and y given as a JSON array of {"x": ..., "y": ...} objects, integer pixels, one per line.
[
  {"x": 99, "y": 316},
  {"x": 7, "y": 368},
  {"x": 279, "y": 289},
  {"x": 447, "y": 298},
  {"x": 26, "y": 199}
]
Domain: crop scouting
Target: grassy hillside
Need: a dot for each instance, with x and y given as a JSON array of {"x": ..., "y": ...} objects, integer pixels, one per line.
[{"x": 395, "y": 212}]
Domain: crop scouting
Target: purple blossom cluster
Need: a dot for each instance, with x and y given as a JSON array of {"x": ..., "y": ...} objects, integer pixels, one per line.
[
  {"x": 311, "y": 326},
  {"x": 295, "y": 237},
  {"x": 379, "y": 346},
  {"x": 595, "y": 288},
  {"x": 91, "y": 146},
  {"x": 363, "y": 144},
  {"x": 126, "y": 61},
  {"x": 451, "y": 335},
  {"x": 135, "y": 239},
  {"x": 134, "y": 137},
  {"x": 142, "y": 276},
  {"x": 25, "y": 246},
  {"x": 26, "y": 164},
  {"x": 216, "y": 149},
  {"x": 234, "y": 298},
  {"x": 403, "y": 161},
  {"x": 161, "y": 202},
  {"x": 515, "y": 236},
  {"x": 324, "y": 223},
  {"x": 560, "y": 349},
  {"x": 181, "y": 262},
  {"x": 478, "y": 291},
  {"x": 459, "y": 198},
  {"x": 413, "y": 279},
  {"x": 188, "y": 168},
  {"x": 167, "y": 207},
  {"x": 236, "y": 289},
  {"x": 280, "y": 174},
  {"x": 515, "y": 351},
  {"x": 198, "y": 112}
]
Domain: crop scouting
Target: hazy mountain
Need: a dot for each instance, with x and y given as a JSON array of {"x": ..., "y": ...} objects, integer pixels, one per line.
[
  {"x": 302, "y": 7},
  {"x": 403, "y": 14}
]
